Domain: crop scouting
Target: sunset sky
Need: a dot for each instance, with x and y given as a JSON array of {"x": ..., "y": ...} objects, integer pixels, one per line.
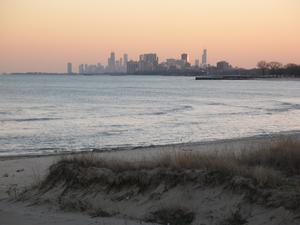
[{"x": 43, "y": 35}]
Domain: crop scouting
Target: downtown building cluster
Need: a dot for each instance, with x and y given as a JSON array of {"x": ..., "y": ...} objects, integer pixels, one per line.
[
  {"x": 149, "y": 64},
  {"x": 113, "y": 66}
]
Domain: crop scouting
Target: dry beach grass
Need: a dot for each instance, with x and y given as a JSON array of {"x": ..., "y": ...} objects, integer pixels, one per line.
[
  {"x": 265, "y": 164},
  {"x": 264, "y": 179}
]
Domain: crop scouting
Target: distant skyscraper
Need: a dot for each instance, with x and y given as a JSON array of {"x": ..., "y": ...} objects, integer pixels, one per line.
[
  {"x": 69, "y": 68},
  {"x": 91, "y": 69},
  {"x": 112, "y": 62},
  {"x": 223, "y": 65},
  {"x": 132, "y": 67},
  {"x": 121, "y": 62},
  {"x": 197, "y": 62},
  {"x": 204, "y": 57},
  {"x": 118, "y": 64},
  {"x": 185, "y": 57},
  {"x": 148, "y": 62},
  {"x": 113, "y": 58},
  {"x": 125, "y": 58},
  {"x": 81, "y": 69},
  {"x": 184, "y": 60}
]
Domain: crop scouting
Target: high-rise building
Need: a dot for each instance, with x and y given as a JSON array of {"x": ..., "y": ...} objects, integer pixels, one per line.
[
  {"x": 223, "y": 65},
  {"x": 197, "y": 62},
  {"x": 204, "y": 57},
  {"x": 112, "y": 62},
  {"x": 174, "y": 64},
  {"x": 132, "y": 67},
  {"x": 69, "y": 68},
  {"x": 91, "y": 69},
  {"x": 118, "y": 65},
  {"x": 113, "y": 58},
  {"x": 81, "y": 69},
  {"x": 148, "y": 62},
  {"x": 184, "y": 61},
  {"x": 125, "y": 59},
  {"x": 185, "y": 57}
]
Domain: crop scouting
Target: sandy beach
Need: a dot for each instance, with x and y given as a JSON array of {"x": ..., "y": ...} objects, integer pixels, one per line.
[{"x": 19, "y": 173}]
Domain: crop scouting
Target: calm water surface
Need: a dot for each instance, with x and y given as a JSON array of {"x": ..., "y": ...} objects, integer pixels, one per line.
[{"x": 42, "y": 114}]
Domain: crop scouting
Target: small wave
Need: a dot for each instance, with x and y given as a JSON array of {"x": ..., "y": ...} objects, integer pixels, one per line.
[
  {"x": 291, "y": 105},
  {"x": 168, "y": 111},
  {"x": 28, "y": 120},
  {"x": 285, "y": 107},
  {"x": 216, "y": 103},
  {"x": 4, "y": 113},
  {"x": 180, "y": 109},
  {"x": 111, "y": 133},
  {"x": 42, "y": 107},
  {"x": 235, "y": 106},
  {"x": 248, "y": 113}
]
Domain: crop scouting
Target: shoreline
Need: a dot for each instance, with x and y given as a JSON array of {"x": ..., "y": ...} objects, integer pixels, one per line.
[
  {"x": 294, "y": 134},
  {"x": 168, "y": 74}
]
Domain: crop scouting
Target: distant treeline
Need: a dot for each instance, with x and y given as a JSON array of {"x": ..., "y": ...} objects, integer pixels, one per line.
[
  {"x": 278, "y": 68},
  {"x": 263, "y": 69}
]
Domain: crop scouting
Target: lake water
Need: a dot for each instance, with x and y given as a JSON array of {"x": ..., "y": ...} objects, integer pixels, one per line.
[{"x": 44, "y": 114}]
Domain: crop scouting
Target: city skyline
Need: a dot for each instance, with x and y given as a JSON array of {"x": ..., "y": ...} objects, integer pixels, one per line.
[
  {"x": 43, "y": 36},
  {"x": 147, "y": 62}
]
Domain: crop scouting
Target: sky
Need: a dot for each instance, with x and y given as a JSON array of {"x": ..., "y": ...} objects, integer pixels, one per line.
[{"x": 43, "y": 35}]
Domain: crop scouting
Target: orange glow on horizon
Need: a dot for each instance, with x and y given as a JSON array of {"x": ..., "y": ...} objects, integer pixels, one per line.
[{"x": 40, "y": 35}]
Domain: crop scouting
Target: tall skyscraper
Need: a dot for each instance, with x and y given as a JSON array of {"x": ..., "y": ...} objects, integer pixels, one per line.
[
  {"x": 118, "y": 64},
  {"x": 69, "y": 68},
  {"x": 112, "y": 62},
  {"x": 125, "y": 58},
  {"x": 113, "y": 58},
  {"x": 204, "y": 57},
  {"x": 184, "y": 61},
  {"x": 185, "y": 57}
]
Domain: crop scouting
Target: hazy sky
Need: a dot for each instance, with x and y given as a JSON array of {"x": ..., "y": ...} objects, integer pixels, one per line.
[{"x": 43, "y": 35}]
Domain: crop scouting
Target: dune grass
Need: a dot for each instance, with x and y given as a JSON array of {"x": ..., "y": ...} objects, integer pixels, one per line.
[
  {"x": 268, "y": 176},
  {"x": 266, "y": 165}
]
